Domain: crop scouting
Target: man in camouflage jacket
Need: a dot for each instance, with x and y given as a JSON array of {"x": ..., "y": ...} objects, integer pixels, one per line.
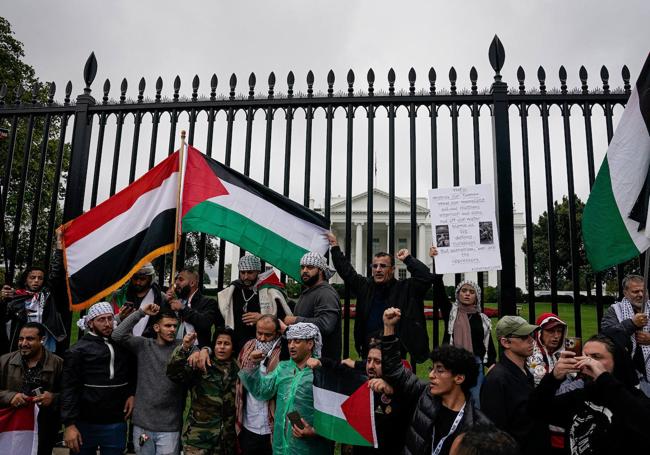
[{"x": 210, "y": 425}]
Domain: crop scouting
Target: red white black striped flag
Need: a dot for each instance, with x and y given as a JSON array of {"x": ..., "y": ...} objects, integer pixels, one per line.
[{"x": 107, "y": 244}]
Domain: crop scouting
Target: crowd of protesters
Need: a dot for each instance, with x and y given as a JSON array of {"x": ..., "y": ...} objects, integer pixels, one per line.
[{"x": 176, "y": 370}]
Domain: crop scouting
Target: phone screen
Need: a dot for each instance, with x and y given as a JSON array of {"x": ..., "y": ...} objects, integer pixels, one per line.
[{"x": 295, "y": 419}]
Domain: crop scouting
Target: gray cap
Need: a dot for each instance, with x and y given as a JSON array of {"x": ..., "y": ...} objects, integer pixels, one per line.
[
  {"x": 147, "y": 270},
  {"x": 514, "y": 325}
]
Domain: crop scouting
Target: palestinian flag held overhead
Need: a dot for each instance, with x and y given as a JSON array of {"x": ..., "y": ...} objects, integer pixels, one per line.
[
  {"x": 103, "y": 247},
  {"x": 220, "y": 201},
  {"x": 344, "y": 406},
  {"x": 616, "y": 214}
]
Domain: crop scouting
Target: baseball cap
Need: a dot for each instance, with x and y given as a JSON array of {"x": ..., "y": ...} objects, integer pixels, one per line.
[{"x": 514, "y": 325}]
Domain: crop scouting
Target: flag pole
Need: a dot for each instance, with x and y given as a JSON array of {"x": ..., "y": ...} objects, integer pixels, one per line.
[{"x": 178, "y": 207}]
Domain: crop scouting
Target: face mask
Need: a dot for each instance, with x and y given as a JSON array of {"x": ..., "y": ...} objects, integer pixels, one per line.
[{"x": 264, "y": 346}]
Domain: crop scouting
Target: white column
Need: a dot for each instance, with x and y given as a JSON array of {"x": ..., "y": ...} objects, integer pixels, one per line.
[
  {"x": 423, "y": 245},
  {"x": 387, "y": 250},
  {"x": 358, "y": 250}
]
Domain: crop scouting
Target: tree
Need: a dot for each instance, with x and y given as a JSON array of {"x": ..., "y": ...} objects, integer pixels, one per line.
[{"x": 18, "y": 80}]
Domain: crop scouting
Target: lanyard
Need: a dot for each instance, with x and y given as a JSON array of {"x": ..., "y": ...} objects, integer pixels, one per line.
[{"x": 453, "y": 428}]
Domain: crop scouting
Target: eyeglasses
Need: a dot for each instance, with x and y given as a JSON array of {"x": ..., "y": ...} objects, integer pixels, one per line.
[{"x": 380, "y": 266}]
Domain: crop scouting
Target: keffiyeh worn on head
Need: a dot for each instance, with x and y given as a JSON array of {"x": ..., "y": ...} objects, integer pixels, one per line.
[
  {"x": 147, "y": 269},
  {"x": 97, "y": 309},
  {"x": 248, "y": 263},
  {"x": 306, "y": 331},
  {"x": 317, "y": 260}
]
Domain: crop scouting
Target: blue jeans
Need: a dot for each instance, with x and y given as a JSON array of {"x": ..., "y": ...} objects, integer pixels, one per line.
[
  {"x": 158, "y": 443},
  {"x": 109, "y": 437},
  {"x": 475, "y": 392}
]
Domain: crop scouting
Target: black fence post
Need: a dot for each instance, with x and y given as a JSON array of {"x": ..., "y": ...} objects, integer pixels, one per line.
[
  {"x": 74, "y": 195},
  {"x": 503, "y": 182}
]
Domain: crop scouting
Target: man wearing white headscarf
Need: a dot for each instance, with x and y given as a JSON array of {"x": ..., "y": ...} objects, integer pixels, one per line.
[
  {"x": 319, "y": 303},
  {"x": 98, "y": 386},
  {"x": 291, "y": 383},
  {"x": 254, "y": 294}
]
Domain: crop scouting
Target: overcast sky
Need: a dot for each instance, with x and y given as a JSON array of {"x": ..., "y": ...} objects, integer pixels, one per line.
[{"x": 150, "y": 38}]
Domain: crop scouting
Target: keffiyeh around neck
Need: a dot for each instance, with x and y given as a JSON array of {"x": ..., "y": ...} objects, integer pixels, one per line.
[{"x": 306, "y": 331}]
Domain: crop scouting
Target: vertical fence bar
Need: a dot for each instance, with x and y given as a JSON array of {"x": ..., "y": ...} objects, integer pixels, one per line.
[
  {"x": 433, "y": 115},
  {"x": 267, "y": 145},
  {"x": 329, "y": 117},
  {"x": 137, "y": 121},
  {"x": 98, "y": 159},
  {"x": 39, "y": 190},
  {"x": 116, "y": 151},
  {"x": 503, "y": 180},
  {"x": 348, "y": 220},
  {"x": 230, "y": 118},
  {"x": 573, "y": 228},
  {"x": 5, "y": 188},
  {"x": 391, "y": 180},
  {"x": 550, "y": 208},
  {"x": 413, "y": 180},
  {"x": 371, "y": 187},
  {"x": 309, "y": 118},
  {"x": 155, "y": 122},
  {"x": 54, "y": 200},
  {"x": 21, "y": 196},
  {"x": 475, "y": 111}
]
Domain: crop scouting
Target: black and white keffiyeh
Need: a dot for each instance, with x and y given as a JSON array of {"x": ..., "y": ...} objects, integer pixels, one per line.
[
  {"x": 306, "y": 331},
  {"x": 317, "y": 260},
  {"x": 97, "y": 309}
]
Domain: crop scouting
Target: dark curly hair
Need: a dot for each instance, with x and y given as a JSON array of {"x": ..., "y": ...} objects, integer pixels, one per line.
[{"x": 458, "y": 361}]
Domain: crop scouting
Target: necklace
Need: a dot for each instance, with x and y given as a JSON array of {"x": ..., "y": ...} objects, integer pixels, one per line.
[{"x": 246, "y": 300}]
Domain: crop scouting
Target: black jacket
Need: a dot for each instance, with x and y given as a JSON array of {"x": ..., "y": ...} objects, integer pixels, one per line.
[
  {"x": 55, "y": 302},
  {"x": 629, "y": 407},
  {"x": 407, "y": 295},
  {"x": 202, "y": 313},
  {"x": 98, "y": 377},
  {"x": 504, "y": 399},
  {"x": 415, "y": 393}
]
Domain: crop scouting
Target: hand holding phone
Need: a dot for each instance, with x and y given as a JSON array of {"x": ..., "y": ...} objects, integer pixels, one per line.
[{"x": 295, "y": 419}]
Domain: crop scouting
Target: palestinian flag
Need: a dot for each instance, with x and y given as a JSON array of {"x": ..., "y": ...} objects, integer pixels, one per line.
[
  {"x": 19, "y": 430},
  {"x": 615, "y": 217},
  {"x": 220, "y": 201},
  {"x": 344, "y": 406},
  {"x": 106, "y": 245},
  {"x": 269, "y": 279}
]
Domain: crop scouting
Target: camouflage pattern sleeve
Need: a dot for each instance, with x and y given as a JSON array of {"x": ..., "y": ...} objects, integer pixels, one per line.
[{"x": 177, "y": 369}]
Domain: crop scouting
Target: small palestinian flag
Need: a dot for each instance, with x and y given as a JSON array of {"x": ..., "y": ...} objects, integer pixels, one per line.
[
  {"x": 220, "y": 201},
  {"x": 106, "y": 245},
  {"x": 344, "y": 406}
]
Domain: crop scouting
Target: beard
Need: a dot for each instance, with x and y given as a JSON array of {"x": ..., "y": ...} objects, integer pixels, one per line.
[
  {"x": 184, "y": 292},
  {"x": 312, "y": 280}
]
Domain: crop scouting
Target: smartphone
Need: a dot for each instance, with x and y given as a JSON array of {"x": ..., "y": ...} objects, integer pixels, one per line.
[
  {"x": 295, "y": 419},
  {"x": 573, "y": 344}
]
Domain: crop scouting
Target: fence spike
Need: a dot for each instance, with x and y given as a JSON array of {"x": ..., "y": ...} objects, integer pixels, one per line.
[
  {"x": 473, "y": 78},
  {"x": 159, "y": 87},
  {"x": 541, "y": 76},
  {"x": 391, "y": 82},
  {"x": 106, "y": 89},
  {"x": 604, "y": 75},
  {"x": 432, "y": 81},
  {"x": 123, "y": 88},
  {"x": 195, "y": 87},
  {"x": 291, "y": 79},
  {"x": 213, "y": 87},
  {"x": 68, "y": 93},
  {"x": 177, "y": 87},
  {"x": 350, "y": 82},
  {"x": 563, "y": 76},
  {"x": 34, "y": 93},
  {"x": 251, "y": 86},
  {"x": 233, "y": 86},
  {"x": 497, "y": 56},
  {"x": 582, "y": 74},
  {"x": 18, "y": 94},
  {"x": 141, "y": 87},
  {"x": 411, "y": 78},
  {"x": 310, "y": 84},
  {"x": 51, "y": 92},
  {"x": 453, "y": 77},
  {"x": 371, "y": 82},
  {"x": 90, "y": 71},
  {"x": 521, "y": 78},
  {"x": 330, "y": 83},
  {"x": 625, "y": 72},
  {"x": 271, "y": 83}
]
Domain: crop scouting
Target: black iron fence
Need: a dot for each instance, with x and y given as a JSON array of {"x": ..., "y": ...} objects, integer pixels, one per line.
[{"x": 36, "y": 154}]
